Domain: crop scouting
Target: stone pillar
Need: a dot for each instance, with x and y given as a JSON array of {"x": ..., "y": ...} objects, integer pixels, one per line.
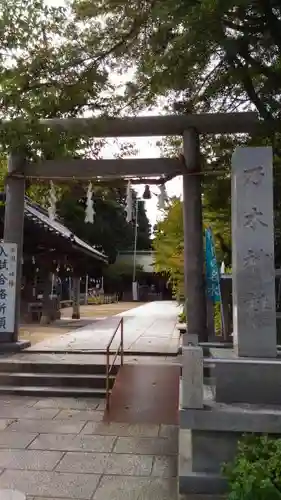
[
  {"x": 76, "y": 297},
  {"x": 13, "y": 226},
  {"x": 254, "y": 313},
  {"x": 194, "y": 281},
  {"x": 192, "y": 377}
]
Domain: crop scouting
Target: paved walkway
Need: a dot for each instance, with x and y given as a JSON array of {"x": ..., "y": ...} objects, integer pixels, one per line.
[
  {"x": 150, "y": 328},
  {"x": 35, "y": 333},
  {"x": 61, "y": 449}
]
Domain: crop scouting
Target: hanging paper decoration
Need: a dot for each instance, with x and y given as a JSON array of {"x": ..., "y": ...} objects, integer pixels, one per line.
[
  {"x": 52, "y": 201},
  {"x": 89, "y": 212},
  {"x": 162, "y": 197},
  {"x": 129, "y": 203}
]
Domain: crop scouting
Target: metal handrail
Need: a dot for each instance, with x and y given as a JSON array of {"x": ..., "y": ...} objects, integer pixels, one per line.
[{"x": 120, "y": 350}]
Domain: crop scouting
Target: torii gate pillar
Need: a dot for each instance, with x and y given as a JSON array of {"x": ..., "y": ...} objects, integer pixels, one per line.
[{"x": 194, "y": 280}]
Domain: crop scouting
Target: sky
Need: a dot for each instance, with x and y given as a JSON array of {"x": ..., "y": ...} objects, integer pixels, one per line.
[{"x": 147, "y": 148}]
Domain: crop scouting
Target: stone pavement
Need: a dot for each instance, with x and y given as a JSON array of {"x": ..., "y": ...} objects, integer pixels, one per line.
[
  {"x": 53, "y": 449},
  {"x": 48, "y": 357},
  {"x": 150, "y": 328},
  {"x": 35, "y": 333}
]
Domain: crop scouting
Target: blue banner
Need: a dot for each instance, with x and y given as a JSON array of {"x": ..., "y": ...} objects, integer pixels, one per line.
[{"x": 212, "y": 270}]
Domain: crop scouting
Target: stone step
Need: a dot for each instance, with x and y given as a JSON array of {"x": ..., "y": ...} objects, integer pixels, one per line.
[
  {"x": 36, "y": 366},
  {"x": 53, "y": 391},
  {"x": 55, "y": 380}
]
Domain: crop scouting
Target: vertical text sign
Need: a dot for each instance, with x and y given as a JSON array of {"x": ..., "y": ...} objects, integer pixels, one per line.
[
  {"x": 253, "y": 274},
  {"x": 212, "y": 270},
  {"x": 8, "y": 269}
]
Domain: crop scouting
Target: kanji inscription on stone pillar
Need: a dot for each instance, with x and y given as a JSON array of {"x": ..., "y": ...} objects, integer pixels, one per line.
[
  {"x": 254, "y": 313},
  {"x": 8, "y": 271}
]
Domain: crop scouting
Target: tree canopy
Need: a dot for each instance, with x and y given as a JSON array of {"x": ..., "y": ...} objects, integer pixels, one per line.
[
  {"x": 227, "y": 51},
  {"x": 59, "y": 61},
  {"x": 52, "y": 65},
  {"x": 49, "y": 67}
]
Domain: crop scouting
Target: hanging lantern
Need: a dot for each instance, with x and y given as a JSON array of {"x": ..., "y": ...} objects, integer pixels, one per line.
[
  {"x": 146, "y": 194},
  {"x": 52, "y": 201},
  {"x": 129, "y": 203},
  {"x": 162, "y": 197},
  {"x": 89, "y": 212}
]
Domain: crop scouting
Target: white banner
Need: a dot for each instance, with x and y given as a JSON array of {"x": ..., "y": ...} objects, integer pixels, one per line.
[{"x": 8, "y": 272}]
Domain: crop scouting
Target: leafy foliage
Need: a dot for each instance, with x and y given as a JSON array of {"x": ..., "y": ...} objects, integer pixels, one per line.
[
  {"x": 110, "y": 230},
  {"x": 182, "y": 317},
  {"x": 119, "y": 275},
  {"x": 255, "y": 472},
  {"x": 234, "y": 62},
  {"x": 52, "y": 65},
  {"x": 169, "y": 239},
  {"x": 168, "y": 246}
]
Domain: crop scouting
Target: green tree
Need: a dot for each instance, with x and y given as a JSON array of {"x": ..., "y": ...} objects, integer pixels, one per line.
[
  {"x": 168, "y": 246},
  {"x": 110, "y": 230},
  {"x": 169, "y": 237},
  {"x": 235, "y": 62},
  {"x": 52, "y": 65},
  {"x": 144, "y": 227},
  {"x": 118, "y": 276}
]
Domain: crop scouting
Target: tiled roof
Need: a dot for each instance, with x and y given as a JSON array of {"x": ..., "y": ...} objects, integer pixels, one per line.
[{"x": 40, "y": 216}]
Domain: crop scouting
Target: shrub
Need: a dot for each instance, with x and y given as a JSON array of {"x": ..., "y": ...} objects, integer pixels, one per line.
[
  {"x": 182, "y": 317},
  {"x": 255, "y": 473}
]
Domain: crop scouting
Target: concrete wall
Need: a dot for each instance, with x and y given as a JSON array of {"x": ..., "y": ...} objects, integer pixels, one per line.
[{"x": 143, "y": 258}]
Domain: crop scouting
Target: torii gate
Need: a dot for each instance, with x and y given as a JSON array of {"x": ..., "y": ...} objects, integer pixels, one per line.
[{"x": 148, "y": 170}]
